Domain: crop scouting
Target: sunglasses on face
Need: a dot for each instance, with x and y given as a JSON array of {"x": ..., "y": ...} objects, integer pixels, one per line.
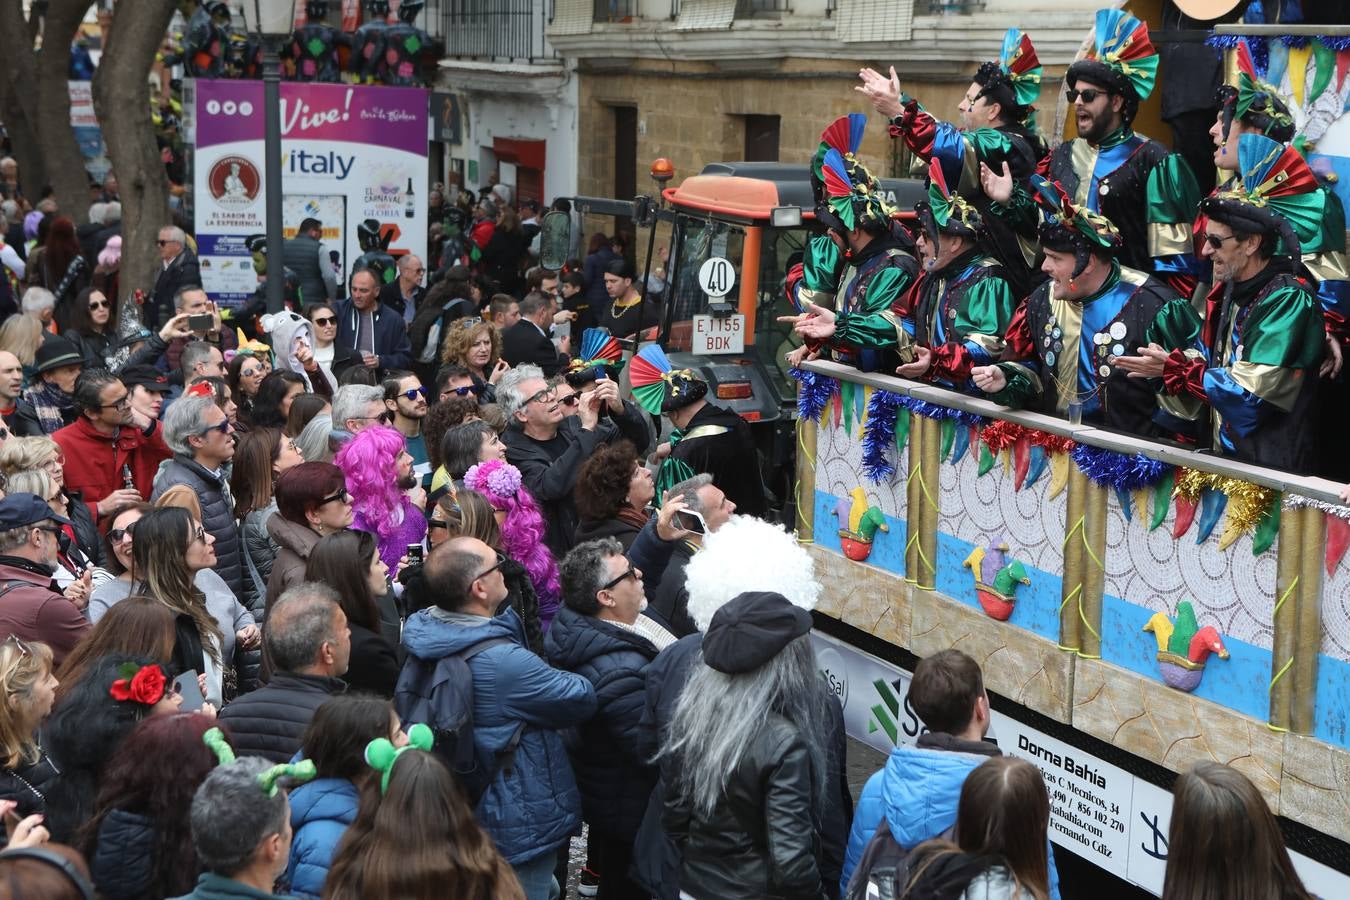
[
  {"x": 1217, "y": 242},
  {"x": 250, "y": 373},
  {"x": 437, "y": 523},
  {"x": 325, "y": 321},
  {"x": 163, "y": 243},
  {"x": 1089, "y": 95},
  {"x": 99, "y": 304},
  {"x": 414, "y": 393},
  {"x": 117, "y": 535},
  {"x": 223, "y": 427},
  {"x": 340, "y": 495},
  {"x": 501, "y": 561},
  {"x": 630, "y": 572},
  {"x": 570, "y": 400},
  {"x": 463, "y": 390}
]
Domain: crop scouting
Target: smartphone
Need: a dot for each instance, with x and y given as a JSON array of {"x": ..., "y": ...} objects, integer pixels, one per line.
[
  {"x": 202, "y": 322},
  {"x": 186, "y": 685},
  {"x": 691, "y": 521},
  {"x": 414, "y": 554}
]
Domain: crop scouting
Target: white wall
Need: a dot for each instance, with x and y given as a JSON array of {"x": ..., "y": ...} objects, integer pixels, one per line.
[{"x": 552, "y": 118}]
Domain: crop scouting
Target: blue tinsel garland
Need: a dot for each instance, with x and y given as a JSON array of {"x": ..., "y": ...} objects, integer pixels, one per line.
[
  {"x": 1118, "y": 470},
  {"x": 935, "y": 411},
  {"x": 815, "y": 392},
  {"x": 879, "y": 435}
]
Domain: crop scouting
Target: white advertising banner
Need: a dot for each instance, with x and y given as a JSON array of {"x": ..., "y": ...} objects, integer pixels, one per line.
[{"x": 1099, "y": 811}]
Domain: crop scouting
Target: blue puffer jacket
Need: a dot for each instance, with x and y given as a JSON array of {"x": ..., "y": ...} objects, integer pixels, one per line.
[
  {"x": 320, "y": 812},
  {"x": 532, "y": 806},
  {"x": 918, "y": 791},
  {"x": 615, "y": 781}
]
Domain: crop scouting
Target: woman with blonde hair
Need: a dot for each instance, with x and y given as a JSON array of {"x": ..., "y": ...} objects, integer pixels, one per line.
[
  {"x": 20, "y": 454},
  {"x": 477, "y": 346},
  {"x": 29, "y": 689},
  {"x": 22, "y": 335},
  {"x": 74, "y": 568}
]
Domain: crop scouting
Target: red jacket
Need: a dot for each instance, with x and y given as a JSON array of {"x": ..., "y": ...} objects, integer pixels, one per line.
[{"x": 94, "y": 461}]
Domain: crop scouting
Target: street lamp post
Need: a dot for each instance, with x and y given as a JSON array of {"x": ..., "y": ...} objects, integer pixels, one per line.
[{"x": 272, "y": 21}]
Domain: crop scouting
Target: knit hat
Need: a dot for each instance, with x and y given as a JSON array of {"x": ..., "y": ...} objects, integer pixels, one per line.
[
  {"x": 847, "y": 195},
  {"x": 1122, "y": 59},
  {"x": 1073, "y": 229},
  {"x": 1254, "y": 102},
  {"x": 1278, "y": 194},
  {"x": 1014, "y": 79},
  {"x": 751, "y": 630},
  {"x": 600, "y": 355}
]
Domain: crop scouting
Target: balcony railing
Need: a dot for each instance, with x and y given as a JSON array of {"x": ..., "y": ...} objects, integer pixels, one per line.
[{"x": 493, "y": 29}]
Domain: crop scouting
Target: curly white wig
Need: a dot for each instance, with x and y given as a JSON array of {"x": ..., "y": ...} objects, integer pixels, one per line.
[{"x": 748, "y": 554}]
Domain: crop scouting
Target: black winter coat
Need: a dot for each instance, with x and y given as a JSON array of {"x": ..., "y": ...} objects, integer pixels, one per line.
[
  {"x": 123, "y": 861},
  {"x": 670, "y": 599},
  {"x": 621, "y": 531},
  {"x": 213, "y": 493},
  {"x": 373, "y": 667},
  {"x": 271, "y": 721},
  {"x": 656, "y": 858},
  {"x": 614, "y": 780},
  {"x": 761, "y": 840},
  {"x": 29, "y": 785},
  {"x": 86, "y": 532}
]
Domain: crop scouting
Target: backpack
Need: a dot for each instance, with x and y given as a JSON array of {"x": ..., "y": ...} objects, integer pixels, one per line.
[
  {"x": 884, "y": 869},
  {"x": 440, "y": 693}
]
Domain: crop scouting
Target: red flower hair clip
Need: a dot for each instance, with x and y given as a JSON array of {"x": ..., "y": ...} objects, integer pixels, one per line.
[{"x": 144, "y": 684}]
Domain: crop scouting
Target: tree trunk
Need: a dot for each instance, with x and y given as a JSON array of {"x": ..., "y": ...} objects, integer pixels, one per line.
[
  {"x": 18, "y": 101},
  {"x": 124, "y": 113},
  {"x": 65, "y": 163}
]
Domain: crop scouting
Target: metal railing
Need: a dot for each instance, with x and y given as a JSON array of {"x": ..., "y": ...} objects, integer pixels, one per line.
[
  {"x": 1308, "y": 486},
  {"x": 615, "y": 10},
  {"x": 747, "y": 9},
  {"x": 493, "y": 29}
]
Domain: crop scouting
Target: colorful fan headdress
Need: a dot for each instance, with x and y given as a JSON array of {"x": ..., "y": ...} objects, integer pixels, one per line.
[
  {"x": 1253, "y": 101},
  {"x": 847, "y": 195},
  {"x": 1122, "y": 57},
  {"x": 301, "y": 771},
  {"x": 381, "y": 754},
  {"x": 600, "y": 354},
  {"x": 945, "y": 211},
  {"x": 659, "y": 388},
  {"x": 1277, "y": 194},
  {"x": 1068, "y": 225},
  {"x": 1014, "y": 79}
]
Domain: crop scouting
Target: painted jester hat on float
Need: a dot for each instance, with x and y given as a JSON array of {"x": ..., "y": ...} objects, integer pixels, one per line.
[
  {"x": 600, "y": 355},
  {"x": 1122, "y": 59},
  {"x": 847, "y": 194},
  {"x": 945, "y": 211},
  {"x": 299, "y": 772},
  {"x": 1254, "y": 102},
  {"x": 1067, "y": 228},
  {"x": 1014, "y": 79},
  {"x": 1277, "y": 194}
]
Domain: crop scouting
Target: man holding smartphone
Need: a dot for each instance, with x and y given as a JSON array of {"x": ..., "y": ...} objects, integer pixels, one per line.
[{"x": 203, "y": 324}]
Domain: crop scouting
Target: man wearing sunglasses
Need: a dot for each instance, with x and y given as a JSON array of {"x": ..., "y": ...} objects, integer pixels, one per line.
[
  {"x": 531, "y": 805},
  {"x": 1151, "y": 196},
  {"x": 31, "y": 609},
  {"x": 405, "y": 399},
  {"x": 202, "y": 441},
  {"x": 178, "y": 269}
]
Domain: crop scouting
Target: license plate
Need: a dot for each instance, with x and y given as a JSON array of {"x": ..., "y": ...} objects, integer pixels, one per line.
[{"x": 713, "y": 335}]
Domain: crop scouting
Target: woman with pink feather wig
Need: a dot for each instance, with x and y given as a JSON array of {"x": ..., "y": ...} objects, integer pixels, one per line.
[
  {"x": 378, "y": 470},
  {"x": 522, "y": 528}
]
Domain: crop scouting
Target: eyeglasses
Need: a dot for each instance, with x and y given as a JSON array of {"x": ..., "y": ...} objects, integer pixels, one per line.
[
  {"x": 340, "y": 495},
  {"x": 20, "y": 644},
  {"x": 539, "y": 396},
  {"x": 463, "y": 390},
  {"x": 161, "y": 242},
  {"x": 1216, "y": 242},
  {"x": 99, "y": 304},
  {"x": 570, "y": 400},
  {"x": 501, "y": 561},
  {"x": 117, "y": 535},
  {"x": 630, "y": 572},
  {"x": 121, "y": 402},
  {"x": 325, "y": 321},
  {"x": 223, "y": 427},
  {"x": 250, "y": 373},
  {"x": 414, "y": 393},
  {"x": 198, "y": 535},
  {"x": 437, "y": 523},
  {"x": 56, "y": 462},
  {"x": 1089, "y": 95},
  {"x": 50, "y": 529}
]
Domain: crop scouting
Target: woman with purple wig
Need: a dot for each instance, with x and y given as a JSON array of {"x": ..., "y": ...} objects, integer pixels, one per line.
[
  {"x": 378, "y": 470},
  {"x": 522, "y": 528}
]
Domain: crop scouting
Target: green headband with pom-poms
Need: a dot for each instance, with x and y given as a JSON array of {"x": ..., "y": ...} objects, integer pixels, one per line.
[
  {"x": 301, "y": 771},
  {"x": 381, "y": 752}
]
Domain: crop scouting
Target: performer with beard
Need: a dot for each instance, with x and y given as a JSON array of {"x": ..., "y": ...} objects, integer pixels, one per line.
[
  {"x": 386, "y": 494},
  {"x": 962, "y": 303},
  {"x": 1262, "y": 339},
  {"x": 1148, "y": 194},
  {"x": 997, "y": 129},
  {"x": 1063, "y": 337},
  {"x": 853, "y": 276}
]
